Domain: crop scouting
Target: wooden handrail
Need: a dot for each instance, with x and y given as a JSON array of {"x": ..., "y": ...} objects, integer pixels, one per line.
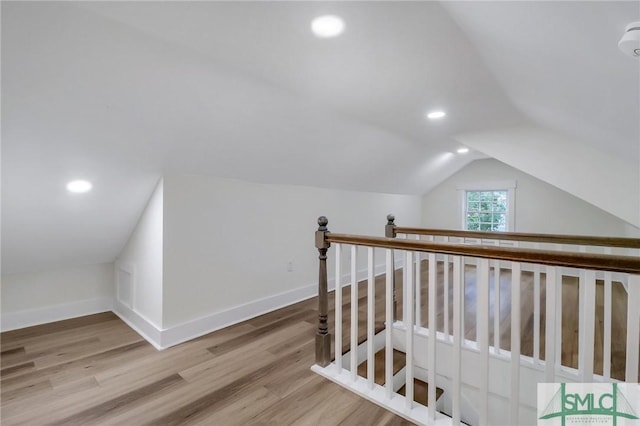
[
  {"x": 601, "y": 262},
  {"x": 324, "y": 238},
  {"x": 519, "y": 236},
  {"x": 584, "y": 240}
]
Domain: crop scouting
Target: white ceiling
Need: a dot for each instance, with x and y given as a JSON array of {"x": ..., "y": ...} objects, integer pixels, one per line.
[
  {"x": 122, "y": 93},
  {"x": 558, "y": 64}
]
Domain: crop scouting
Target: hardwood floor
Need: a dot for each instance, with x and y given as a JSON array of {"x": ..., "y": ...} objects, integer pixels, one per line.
[
  {"x": 570, "y": 324},
  {"x": 569, "y": 314},
  {"x": 96, "y": 370}
]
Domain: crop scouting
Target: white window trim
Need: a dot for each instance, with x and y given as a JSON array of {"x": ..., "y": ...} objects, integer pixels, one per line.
[{"x": 505, "y": 185}]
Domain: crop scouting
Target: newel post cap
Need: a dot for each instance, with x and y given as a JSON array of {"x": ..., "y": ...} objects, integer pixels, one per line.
[
  {"x": 390, "y": 228},
  {"x": 321, "y": 243}
]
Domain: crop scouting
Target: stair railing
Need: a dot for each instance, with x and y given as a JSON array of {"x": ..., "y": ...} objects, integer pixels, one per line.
[
  {"x": 442, "y": 359},
  {"x": 560, "y": 242},
  {"x": 554, "y": 241}
]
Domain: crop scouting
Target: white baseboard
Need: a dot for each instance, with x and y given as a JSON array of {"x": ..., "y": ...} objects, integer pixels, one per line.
[
  {"x": 159, "y": 338},
  {"x": 142, "y": 325},
  {"x": 31, "y": 317},
  {"x": 164, "y": 338},
  {"x": 201, "y": 326}
]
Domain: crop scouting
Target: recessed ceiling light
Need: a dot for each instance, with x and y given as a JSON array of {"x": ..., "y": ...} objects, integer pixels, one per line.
[
  {"x": 463, "y": 150},
  {"x": 327, "y": 26},
  {"x": 436, "y": 114},
  {"x": 79, "y": 186}
]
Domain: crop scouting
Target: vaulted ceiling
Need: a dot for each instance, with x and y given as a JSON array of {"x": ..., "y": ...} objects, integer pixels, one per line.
[{"x": 122, "y": 93}]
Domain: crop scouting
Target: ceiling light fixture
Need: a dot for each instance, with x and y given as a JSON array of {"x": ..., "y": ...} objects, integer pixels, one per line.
[
  {"x": 327, "y": 26},
  {"x": 433, "y": 115},
  {"x": 463, "y": 150},
  {"x": 630, "y": 41},
  {"x": 79, "y": 186}
]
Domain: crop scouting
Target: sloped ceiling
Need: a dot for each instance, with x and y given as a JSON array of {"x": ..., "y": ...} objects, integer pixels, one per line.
[
  {"x": 581, "y": 97},
  {"x": 557, "y": 63},
  {"x": 122, "y": 93}
]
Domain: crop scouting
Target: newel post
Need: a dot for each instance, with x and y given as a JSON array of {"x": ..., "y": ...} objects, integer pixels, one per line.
[
  {"x": 390, "y": 232},
  {"x": 390, "y": 229},
  {"x": 323, "y": 338}
]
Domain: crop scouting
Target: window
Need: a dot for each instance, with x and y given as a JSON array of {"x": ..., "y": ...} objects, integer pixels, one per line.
[
  {"x": 486, "y": 210},
  {"x": 487, "y": 206}
]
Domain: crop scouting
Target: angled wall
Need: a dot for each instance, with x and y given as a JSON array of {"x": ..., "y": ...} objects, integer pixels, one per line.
[
  {"x": 539, "y": 206},
  {"x": 32, "y": 298},
  {"x": 138, "y": 272},
  {"x": 606, "y": 181},
  {"x": 206, "y": 253},
  {"x": 235, "y": 249}
]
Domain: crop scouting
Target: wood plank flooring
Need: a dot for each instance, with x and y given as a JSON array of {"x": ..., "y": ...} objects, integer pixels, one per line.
[
  {"x": 570, "y": 286},
  {"x": 96, "y": 370},
  {"x": 570, "y": 324}
]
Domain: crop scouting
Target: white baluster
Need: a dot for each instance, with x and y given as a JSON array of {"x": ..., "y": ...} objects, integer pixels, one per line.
[
  {"x": 587, "y": 325},
  {"x": 552, "y": 282},
  {"x": 463, "y": 285},
  {"x": 606, "y": 344},
  {"x": 371, "y": 316},
  {"x": 409, "y": 321},
  {"x": 581, "y": 315},
  {"x": 338, "y": 313},
  {"x": 431, "y": 397},
  {"x": 515, "y": 343},
  {"x": 482, "y": 337},
  {"x": 457, "y": 338},
  {"x": 496, "y": 305},
  {"x": 445, "y": 284},
  {"x": 536, "y": 310},
  {"x": 404, "y": 292},
  {"x": 418, "y": 308},
  {"x": 354, "y": 313},
  {"x": 633, "y": 329},
  {"x": 559, "y": 299},
  {"x": 388, "y": 349}
]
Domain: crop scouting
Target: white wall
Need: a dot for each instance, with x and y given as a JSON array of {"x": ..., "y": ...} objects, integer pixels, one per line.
[
  {"x": 39, "y": 297},
  {"x": 142, "y": 260},
  {"x": 606, "y": 181},
  {"x": 228, "y": 242},
  {"x": 540, "y": 207}
]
